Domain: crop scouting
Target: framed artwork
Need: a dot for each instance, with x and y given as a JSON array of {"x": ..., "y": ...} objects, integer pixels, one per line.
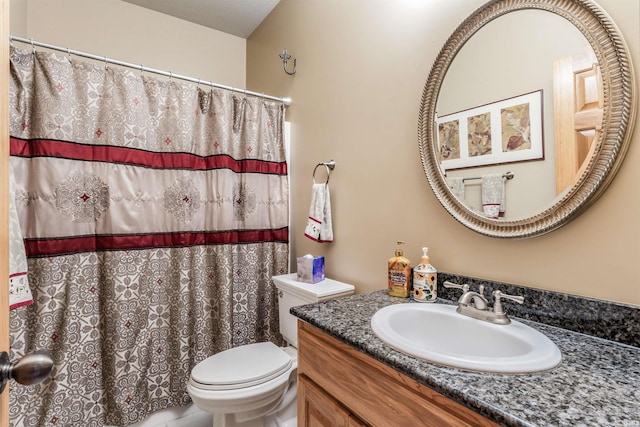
[{"x": 505, "y": 131}]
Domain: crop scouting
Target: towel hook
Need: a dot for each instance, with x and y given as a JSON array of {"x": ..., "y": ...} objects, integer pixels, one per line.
[
  {"x": 285, "y": 58},
  {"x": 329, "y": 166}
]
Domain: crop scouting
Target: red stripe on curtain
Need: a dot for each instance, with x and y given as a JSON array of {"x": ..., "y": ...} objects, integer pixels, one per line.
[
  {"x": 64, "y": 246},
  {"x": 134, "y": 156}
]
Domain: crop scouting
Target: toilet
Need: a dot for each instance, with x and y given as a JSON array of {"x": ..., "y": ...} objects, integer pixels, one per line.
[{"x": 255, "y": 385}]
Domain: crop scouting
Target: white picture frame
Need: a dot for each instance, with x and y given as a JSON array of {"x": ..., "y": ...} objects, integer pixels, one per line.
[{"x": 501, "y": 132}]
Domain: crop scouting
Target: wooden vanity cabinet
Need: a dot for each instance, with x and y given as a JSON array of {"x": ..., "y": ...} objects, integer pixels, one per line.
[
  {"x": 320, "y": 409},
  {"x": 339, "y": 385}
]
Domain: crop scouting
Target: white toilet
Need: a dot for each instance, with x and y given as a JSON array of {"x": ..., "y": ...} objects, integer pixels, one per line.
[{"x": 255, "y": 385}]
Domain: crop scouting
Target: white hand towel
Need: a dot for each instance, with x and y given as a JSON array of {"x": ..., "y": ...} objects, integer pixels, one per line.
[
  {"x": 19, "y": 292},
  {"x": 493, "y": 195},
  {"x": 319, "y": 226},
  {"x": 457, "y": 187}
]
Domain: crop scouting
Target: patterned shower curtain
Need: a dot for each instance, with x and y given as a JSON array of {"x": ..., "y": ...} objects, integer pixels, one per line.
[{"x": 154, "y": 214}]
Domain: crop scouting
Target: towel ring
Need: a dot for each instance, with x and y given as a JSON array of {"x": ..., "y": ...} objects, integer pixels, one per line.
[{"x": 329, "y": 166}]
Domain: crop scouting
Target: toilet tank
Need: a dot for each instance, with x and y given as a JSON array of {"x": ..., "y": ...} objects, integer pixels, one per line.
[{"x": 292, "y": 293}]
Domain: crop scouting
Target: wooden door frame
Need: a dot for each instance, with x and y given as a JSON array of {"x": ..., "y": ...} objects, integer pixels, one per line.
[{"x": 4, "y": 198}]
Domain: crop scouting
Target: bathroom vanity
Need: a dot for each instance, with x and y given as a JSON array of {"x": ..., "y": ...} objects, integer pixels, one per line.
[
  {"x": 348, "y": 377},
  {"x": 341, "y": 386}
]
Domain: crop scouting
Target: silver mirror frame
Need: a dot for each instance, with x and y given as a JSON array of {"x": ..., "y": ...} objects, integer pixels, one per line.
[{"x": 617, "y": 127}]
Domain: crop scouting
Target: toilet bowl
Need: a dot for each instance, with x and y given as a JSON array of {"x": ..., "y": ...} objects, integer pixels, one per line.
[
  {"x": 245, "y": 384},
  {"x": 255, "y": 385}
]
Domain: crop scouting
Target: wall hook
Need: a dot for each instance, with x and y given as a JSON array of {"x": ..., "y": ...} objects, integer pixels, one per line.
[{"x": 286, "y": 57}]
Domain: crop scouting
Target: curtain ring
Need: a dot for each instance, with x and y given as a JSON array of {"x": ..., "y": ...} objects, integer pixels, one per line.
[
  {"x": 106, "y": 62},
  {"x": 33, "y": 47},
  {"x": 141, "y": 69}
]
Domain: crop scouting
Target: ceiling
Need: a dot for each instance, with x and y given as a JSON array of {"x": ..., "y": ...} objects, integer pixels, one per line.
[{"x": 236, "y": 17}]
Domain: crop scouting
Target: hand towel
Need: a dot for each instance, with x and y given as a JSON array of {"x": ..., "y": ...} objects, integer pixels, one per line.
[
  {"x": 457, "y": 187},
  {"x": 493, "y": 195},
  {"x": 19, "y": 292},
  {"x": 319, "y": 226}
]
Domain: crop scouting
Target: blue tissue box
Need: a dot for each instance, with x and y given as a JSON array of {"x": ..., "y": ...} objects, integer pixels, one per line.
[{"x": 310, "y": 269}]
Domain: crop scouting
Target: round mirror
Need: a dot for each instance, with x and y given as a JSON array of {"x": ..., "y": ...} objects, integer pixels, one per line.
[{"x": 525, "y": 118}]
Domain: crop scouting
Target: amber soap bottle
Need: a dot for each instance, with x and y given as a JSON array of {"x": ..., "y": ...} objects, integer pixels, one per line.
[{"x": 399, "y": 275}]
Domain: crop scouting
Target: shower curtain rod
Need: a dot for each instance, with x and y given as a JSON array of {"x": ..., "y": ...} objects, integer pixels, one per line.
[{"x": 142, "y": 68}]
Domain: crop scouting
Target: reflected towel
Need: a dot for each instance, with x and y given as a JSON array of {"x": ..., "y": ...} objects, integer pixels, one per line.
[
  {"x": 457, "y": 187},
  {"x": 19, "y": 292},
  {"x": 319, "y": 226},
  {"x": 493, "y": 203}
]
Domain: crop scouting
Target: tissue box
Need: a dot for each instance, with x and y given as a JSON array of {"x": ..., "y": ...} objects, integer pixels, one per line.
[{"x": 310, "y": 269}]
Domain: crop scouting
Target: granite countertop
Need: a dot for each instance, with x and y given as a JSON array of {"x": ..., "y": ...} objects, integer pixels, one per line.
[{"x": 596, "y": 384}]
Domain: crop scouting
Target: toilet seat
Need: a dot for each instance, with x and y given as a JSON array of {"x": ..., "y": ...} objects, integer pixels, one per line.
[{"x": 242, "y": 367}]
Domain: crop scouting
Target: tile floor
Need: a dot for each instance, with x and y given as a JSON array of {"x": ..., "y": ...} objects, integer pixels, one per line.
[{"x": 188, "y": 416}]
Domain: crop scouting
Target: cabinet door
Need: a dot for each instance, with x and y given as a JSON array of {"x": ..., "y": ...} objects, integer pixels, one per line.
[{"x": 317, "y": 409}]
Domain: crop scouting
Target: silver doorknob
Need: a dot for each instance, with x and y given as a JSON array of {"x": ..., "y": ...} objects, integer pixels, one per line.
[{"x": 30, "y": 369}]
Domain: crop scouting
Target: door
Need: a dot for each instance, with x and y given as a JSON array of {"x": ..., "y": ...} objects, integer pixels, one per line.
[
  {"x": 317, "y": 409},
  {"x": 4, "y": 198},
  {"x": 577, "y": 109}
]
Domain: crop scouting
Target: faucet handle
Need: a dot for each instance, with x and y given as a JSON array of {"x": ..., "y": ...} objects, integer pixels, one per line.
[
  {"x": 465, "y": 287},
  {"x": 498, "y": 295}
]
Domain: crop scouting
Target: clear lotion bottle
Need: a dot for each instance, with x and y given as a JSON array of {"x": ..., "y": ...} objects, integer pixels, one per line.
[{"x": 425, "y": 280}]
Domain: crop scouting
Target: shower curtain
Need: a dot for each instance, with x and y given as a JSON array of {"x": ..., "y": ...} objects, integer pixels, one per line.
[{"x": 154, "y": 214}]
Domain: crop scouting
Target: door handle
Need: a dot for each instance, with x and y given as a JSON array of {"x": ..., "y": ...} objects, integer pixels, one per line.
[{"x": 29, "y": 369}]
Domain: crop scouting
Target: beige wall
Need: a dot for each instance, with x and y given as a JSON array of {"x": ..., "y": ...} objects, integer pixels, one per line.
[
  {"x": 361, "y": 70},
  {"x": 130, "y": 33},
  {"x": 362, "y": 66}
]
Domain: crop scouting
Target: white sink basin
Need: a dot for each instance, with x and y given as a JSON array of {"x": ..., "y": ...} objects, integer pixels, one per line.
[{"x": 437, "y": 333}]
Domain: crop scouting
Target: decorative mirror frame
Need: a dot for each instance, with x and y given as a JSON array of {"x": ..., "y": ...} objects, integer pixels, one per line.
[{"x": 617, "y": 127}]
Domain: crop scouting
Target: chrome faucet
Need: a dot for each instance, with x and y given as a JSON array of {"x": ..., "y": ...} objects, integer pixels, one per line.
[
  {"x": 474, "y": 299},
  {"x": 474, "y": 304}
]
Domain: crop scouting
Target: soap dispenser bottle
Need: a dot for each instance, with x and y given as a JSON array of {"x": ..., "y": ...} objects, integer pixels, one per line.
[
  {"x": 425, "y": 280},
  {"x": 399, "y": 275}
]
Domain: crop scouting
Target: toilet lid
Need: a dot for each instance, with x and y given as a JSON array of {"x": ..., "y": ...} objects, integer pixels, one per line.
[{"x": 242, "y": 366}]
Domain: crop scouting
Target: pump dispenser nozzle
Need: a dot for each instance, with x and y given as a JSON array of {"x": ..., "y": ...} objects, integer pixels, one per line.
[{"x": 424, "y": 259}]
